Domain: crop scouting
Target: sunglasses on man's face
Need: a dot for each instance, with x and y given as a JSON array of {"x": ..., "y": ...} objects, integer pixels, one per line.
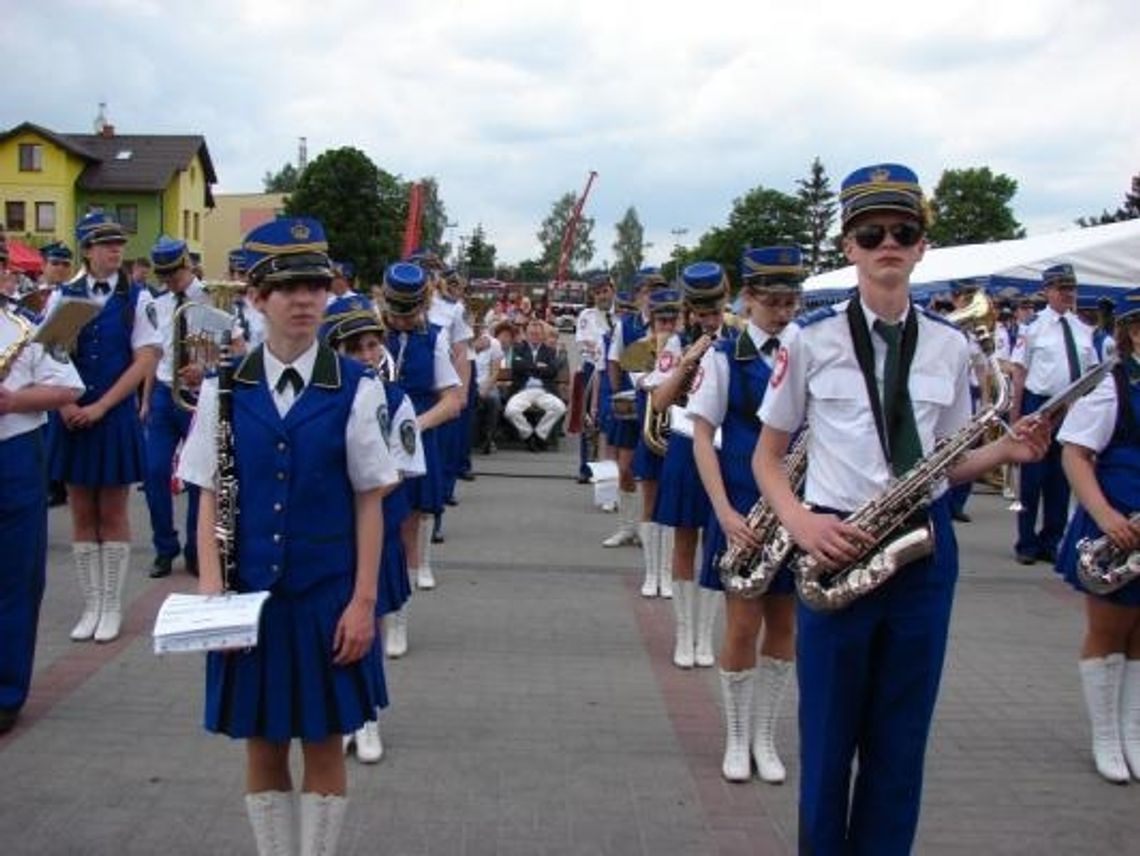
[{"x": 870, "y": 235}]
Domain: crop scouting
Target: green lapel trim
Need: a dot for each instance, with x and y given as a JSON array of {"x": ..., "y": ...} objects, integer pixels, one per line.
[
  {"x": 252, "y": 368},
  {"x": 745, "y": 347},
  {"x": 326, "y": 369}
]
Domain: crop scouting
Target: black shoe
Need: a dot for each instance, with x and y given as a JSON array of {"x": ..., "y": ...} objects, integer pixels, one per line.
[
  {"x": 532, "y": 443},
  {"x": 1024, "y": 559},
  {"x": 191, "y": 563},
  {"x": 467, "y": 476},
  {"x": 57, "y": 495},
  {"x": 8, "y": 717},
  {"x": 437, "y": 535},
  {"x": 450, "y": 500},
  {"x": 162, "y": 567},
  {"x": 961, "y": 517}
]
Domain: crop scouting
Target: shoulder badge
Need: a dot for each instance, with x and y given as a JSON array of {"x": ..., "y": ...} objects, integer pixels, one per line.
[
  {"x": 383, "y": 419},
  {"x": 665, "y": 361},
  {"x": 815, "y": 316},
  {"x": 408, "y": 436},
  {"x": 780, "y": 367},
  {"x": 697, "y": 378},
  {"x": 152, "y": 315}
]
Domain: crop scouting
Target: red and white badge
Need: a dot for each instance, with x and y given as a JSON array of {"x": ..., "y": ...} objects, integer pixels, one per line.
[
  {"x": 780, "y": 368},
  {"x": 665, "y": 361},
  {"x": 697, "y": 378}
]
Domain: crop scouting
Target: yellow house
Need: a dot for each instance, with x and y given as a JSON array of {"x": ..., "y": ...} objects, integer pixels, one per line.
[
  {"x": 152, "y": 184},
  {"x": 233, "y": 217}
]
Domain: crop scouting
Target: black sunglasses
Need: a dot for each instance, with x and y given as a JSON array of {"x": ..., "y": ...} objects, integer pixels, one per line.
[{"x": 870, "y": 235}]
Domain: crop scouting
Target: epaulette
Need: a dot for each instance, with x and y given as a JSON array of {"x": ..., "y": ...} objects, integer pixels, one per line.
[
  {"x": 941, "y": 319},
  {"x": 815, "y": 316}
]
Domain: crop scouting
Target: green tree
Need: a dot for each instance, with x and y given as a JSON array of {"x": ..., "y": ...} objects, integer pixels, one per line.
[
  {"x": 1130, "y": 210},
  {"x": 361, "y": 207},
  {"x": 479, "y": 256},
  {"x": 819, "y": 205},
  {"x": 629, "y": 247},
  {"x": 528, "y": 270},
  {"x": 972, "y": 206},
  {"x": 551, "y": 232},
  {"x": 433, "y": 219},
  {"x": 282, "y": 181}
]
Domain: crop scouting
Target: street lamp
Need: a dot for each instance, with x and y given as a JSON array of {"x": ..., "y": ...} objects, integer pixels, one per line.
[{"x": 677, "y": 232}]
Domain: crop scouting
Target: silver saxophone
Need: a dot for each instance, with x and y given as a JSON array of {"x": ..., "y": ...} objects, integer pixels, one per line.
[
  {"x": 747, "y": 572},
  {"x": 1103, "y": 567},
  {"x": 893, "y": 545},
  {"x": 225, "y": 522}
]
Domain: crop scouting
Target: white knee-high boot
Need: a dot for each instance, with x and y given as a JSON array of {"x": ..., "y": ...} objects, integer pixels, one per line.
[
  {"x": 707, "y": 603},
  {"x": 396, "y": 633},
  {"x": 321, "y": 820},
  {"x": 772, "y": 678},
  {"x": 1130, "y": 716},
  {"x": 1100, "y": 679},
  {"x": 736, "y": 688},
  {"x": 683, "y": 619},
  {"x": 116, "y": 557},
  {"x": 665, "y": 559},
  {"x": 89, "y": 573},
  {"x": 424, "y": 577},
  {"x": 649, "y": 547},
  {"x": 272, "y": 816},
  {"x": 626, "y": 532}
]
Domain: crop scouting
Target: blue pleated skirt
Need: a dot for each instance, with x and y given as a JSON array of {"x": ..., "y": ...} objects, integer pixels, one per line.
[
  {"x": 109, "y": 453},
  {"x": 646, "y": 465},
  {"x": 393, "y": 587},
  {"x": 287, "y": 687},
  {"x": 681, "y": 498},
  {"x": 425, "y": 493},
  {"x": 1083, "y": 526}
]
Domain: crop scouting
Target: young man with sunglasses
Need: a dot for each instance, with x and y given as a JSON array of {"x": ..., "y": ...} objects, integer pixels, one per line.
[
  {"x": 1052, "y": 351},
  {"x": 879, "y": 381}
]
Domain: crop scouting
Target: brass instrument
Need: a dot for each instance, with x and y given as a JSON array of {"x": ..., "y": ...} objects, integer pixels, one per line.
[
  {"x": 26, "y": 332},
  {"x": 1103, "y": 567},
  {"x": 979, "y": 312},
  {"x": 224, "y": 293},
  {"x": 746, "y": 572},
  {"x": 197, "y": 335},
  {"x": 623, "y": 405},
  {"x": 655, "y": 428},
  {"x": 225, "y": 522}
]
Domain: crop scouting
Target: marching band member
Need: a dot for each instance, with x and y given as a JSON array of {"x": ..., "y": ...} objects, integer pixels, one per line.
[
  {"x": 250, "y": 321},
  {"x": 455, "y": 289},
  {"x": 166, "y": 423},
  {"x": 682, "y": 502},
  {"x": 623, "y": 431},
  {"x": 57, "y": 264},
  {"x": 31, "y": 382},
  {"x": 1054, "y": 350},
  {"x": 733, "y": 378},
  {"x": 656, "y": 541},
  {"x": 313, "y": 465},
  {"x": 1101, "y": 455},
  {"x": 353, "y": 328},
  {"x": 99, "y": 452},
  {"x": 593, "y": 325},
  {"x": 424, "y": 370},
  {"x": 869, "y": 673}
]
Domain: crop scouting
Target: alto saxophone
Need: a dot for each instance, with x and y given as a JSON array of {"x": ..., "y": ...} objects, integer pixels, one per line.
[
  {"x": 655, "y": 428},
  {"x": 1103, "y": 567},
  {"x": 24, "y": 338},
  {"x": 747, "y": 572},
  {"x": 225, "y": 522}
]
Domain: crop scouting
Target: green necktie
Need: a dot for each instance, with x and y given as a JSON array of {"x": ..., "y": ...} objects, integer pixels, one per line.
[
  {"x": 1071, "y": 350},
  {"x": 902, "y": 436}
]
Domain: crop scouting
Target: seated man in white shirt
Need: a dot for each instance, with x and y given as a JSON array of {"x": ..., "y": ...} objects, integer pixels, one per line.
[
  {"x": 534, "y": 373},
  {"x": 489, "y": 404}
]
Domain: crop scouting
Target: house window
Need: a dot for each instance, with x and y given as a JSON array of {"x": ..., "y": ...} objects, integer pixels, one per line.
[
  {"x": 45, "y": 216},
  {"x": 31, "y": 157},
  {"x": 128, "y": 217},
  {"x": 197, "y": 224},
  {"x": 185, "y": 223},
  {"x": 15, "y": 216}
]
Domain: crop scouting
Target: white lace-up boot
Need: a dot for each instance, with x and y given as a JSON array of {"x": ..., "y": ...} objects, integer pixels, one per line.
[
  {"x": 321, "y": 820},
  {"x": 665, "y": 560},
  {"x": 707, "y": 603},
  {"x": 1130, "y": 716},
  {"x": 683, "y": 620},
  {"x": 772, "y": 678},
  {"x": 369, "y": 747},
  {"x": 89, "y": 573},
  {"x": 736, "y": 688},
  {"x": 116, "y": 559},
  {"x": 1100, "y": 679},
  {"x": 425, "y": 579},
  {"x": 396, "y": 633},
  {"x": 626, "y": 532},
  {"x": 272, "y": 816},
  {"x": 647, "y": 532}
]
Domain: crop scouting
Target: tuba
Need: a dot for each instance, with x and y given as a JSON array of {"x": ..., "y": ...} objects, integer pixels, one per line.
[
  {"x": 979, "y": 312},
  {"x": 1103, "y": 567},
  {"x": 197, "y": 338}
]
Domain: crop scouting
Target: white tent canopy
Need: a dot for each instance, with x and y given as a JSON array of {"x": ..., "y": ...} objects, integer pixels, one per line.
[{"x": 1100, "y": 255}]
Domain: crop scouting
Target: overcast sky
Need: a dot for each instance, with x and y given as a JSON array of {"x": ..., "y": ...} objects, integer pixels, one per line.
[{"x": 679, "y": 107}]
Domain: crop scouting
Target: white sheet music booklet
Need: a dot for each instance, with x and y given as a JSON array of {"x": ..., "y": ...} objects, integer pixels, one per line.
[{"x": 197, "y": 622}]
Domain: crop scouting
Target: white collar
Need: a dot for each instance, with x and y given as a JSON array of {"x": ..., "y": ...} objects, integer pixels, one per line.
[{"x": 303, "y": 364}]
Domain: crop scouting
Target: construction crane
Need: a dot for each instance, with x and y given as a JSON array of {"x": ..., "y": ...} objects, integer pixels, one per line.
[{"x": 571, "y": 229}]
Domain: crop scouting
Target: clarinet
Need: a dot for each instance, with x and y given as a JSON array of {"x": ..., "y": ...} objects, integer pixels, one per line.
[{"x": 225, "y": 523}]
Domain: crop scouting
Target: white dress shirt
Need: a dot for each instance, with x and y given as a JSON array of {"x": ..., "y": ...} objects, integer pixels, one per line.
[
  {"x": 1040, "y": 350},
  {"x": 32, "y": 367}
]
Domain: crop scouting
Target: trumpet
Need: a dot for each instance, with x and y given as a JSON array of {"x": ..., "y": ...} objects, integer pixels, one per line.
[
  {"x": 197, "y": 342},
  {"x": 655, "y": 429}
]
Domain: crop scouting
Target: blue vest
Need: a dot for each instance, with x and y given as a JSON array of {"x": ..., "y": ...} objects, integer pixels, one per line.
[
  {"x": 295, "y": 503},
  {"x": 417, "y": 371},
  {"x": 748, "y": 377},
  {"x": 103, "y": 350},
  {"x": 1118, "y": 466},
  {"x": 396, "y": 504}
]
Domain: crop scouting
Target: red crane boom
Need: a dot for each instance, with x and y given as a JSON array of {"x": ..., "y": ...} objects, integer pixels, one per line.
[{"x": 571, "y": 228}]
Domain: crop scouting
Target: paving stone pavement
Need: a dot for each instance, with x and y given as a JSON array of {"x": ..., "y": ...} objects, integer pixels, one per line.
[{"x": 538, "y": 712}]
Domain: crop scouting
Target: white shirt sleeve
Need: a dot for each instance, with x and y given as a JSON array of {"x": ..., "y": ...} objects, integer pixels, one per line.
[
  {"x": 785, "y": 401},
  {"x": 198, "y": 461},
  {"x": 708, "y": 398},
  {"x": 445, "y": 374},
  {"x": 145, "y": 332},
  {"x": 617, "y": 343},
  {"x": 370, "y": 463},
  {"x": 404, "y": 432},
  {"x": 1091, "y": 420}
]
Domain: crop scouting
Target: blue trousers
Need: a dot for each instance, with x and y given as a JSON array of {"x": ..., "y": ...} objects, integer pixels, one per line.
[
  {"x": 23, "y": 532},
  {"x": 1044, "y": 487},
  {"x": 166, "y": 426},
  {"x": 587, "y": 371},
  {"x": 868, "y": 678}
]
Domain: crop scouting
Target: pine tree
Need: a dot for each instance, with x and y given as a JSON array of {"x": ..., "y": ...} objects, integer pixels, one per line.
[
  {"x": 629, "y": 247},
  {"x": 819, "y": 211}
]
